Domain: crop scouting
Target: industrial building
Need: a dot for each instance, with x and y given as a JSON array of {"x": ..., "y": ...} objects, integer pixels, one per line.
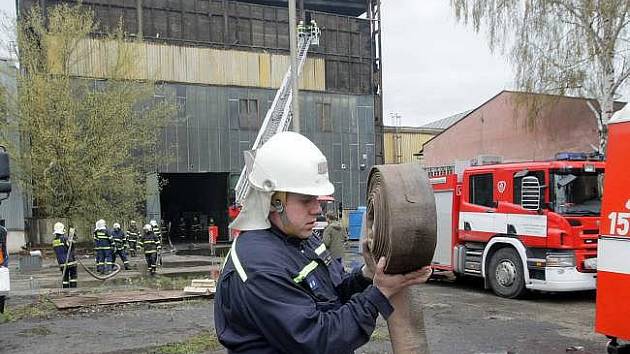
[
  {"x": 513, "y": 126},
  {"x": 224, "y": 60}
]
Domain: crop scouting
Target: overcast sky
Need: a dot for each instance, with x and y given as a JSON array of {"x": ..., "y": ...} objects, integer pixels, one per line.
[{"x": 433, "y": 67}]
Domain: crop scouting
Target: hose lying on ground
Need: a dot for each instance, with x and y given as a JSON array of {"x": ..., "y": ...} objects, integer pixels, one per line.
[
  {"x": 97, "y": 276},
  {"x": 401, "y": 226}
]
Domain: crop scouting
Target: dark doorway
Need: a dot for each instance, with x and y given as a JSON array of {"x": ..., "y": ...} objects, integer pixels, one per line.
[{"x": 190, "y": 201}]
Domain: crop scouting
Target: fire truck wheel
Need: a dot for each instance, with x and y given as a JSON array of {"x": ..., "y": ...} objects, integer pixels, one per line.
[{"x": 505, "y": 273}]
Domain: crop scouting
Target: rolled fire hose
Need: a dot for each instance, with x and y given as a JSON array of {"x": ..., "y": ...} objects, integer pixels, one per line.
[{"x": 401, "y": 226}]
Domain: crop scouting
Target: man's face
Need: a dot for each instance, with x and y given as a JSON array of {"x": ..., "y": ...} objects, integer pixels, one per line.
[{"x": 302, "y": 211}]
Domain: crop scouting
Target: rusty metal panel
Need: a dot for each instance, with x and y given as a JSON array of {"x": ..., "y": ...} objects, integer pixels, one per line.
[
  {"x": 346, "y": 41},
  {"x": 194, "y": 65}
]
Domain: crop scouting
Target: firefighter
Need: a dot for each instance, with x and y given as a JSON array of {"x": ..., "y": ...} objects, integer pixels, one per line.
[
  {"x": 149, "y": 242},
  {"x": 103, "y": 243},
  {"x": 157, "y": 230},
  {"x": 335, "y": 236},
  {"x": 132, "y": 237},
  {"x": 196, "y": 228},
  {"x": 182, "y": 227},
  {"x": 64, "y": 252},
  {"x": 120, "y": 245},
  {"x": 301, "y": 29},
  {"x": 164, "y": 230},
  {"x": 279, "y": 290}
]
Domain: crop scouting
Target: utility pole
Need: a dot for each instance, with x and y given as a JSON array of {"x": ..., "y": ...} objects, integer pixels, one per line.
[{"x": 295, "y": 104}]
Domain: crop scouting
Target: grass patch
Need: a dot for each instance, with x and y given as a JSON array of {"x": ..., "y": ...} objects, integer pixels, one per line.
[
  {"x": 380, "y": 335},
  {"x": 41, "y": 308},
  {"x": 199, "y": 343}
]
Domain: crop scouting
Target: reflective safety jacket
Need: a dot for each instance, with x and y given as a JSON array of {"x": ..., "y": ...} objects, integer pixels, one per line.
[
  {"x": 149, "y": 242},
  {"x": 278, "y": 294},
  {"x": 132, "y": 233},
  {"x": 61, "y": 245},
  {"x": 158, "y": 234},
  {"x": 120, "y": 239},
  {"x": 103, "y": 240}
]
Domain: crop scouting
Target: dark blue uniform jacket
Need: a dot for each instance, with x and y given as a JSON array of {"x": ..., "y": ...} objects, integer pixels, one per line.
[{"x": 292, "y": 298}]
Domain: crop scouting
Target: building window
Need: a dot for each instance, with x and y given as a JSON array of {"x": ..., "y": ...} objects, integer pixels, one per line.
[
  {"x": 248, "y": 117},
  {"x": 325, "y": 119},
  {"x": 99, "y": 85},
  {"x": 481, "y": 188}
]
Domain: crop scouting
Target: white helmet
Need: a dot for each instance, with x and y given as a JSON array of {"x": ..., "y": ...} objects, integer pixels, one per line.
[
  {"x": 101, "y": 225},
  {"x": 153, "y": 223},
  {"x": 59, "y": 229},
  {"x": 147, "y": 227},
  {"x": 290, "y": 162},
  {"x": 116, "y": 226}
]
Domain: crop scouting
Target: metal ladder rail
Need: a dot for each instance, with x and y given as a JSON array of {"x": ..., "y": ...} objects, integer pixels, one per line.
[{"x": 277, "y": 118}]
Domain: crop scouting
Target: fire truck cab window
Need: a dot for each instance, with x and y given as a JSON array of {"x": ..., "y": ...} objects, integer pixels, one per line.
[
  {"x": 481, "y": 190},
  {"x": 517, "y": 186}
]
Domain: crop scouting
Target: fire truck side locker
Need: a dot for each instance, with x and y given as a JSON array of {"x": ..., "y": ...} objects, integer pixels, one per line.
[
  {"x": 613, "y": 271},
  {"x": 447, "y": 194}
]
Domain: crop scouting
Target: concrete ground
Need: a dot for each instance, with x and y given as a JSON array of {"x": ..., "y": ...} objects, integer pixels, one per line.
[{"x": 460, "y": 317}]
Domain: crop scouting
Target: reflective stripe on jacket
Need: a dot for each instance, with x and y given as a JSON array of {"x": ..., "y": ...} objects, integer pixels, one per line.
[
  {"x": 61, "y": 245},
  {"x": 103, "y": 240}
]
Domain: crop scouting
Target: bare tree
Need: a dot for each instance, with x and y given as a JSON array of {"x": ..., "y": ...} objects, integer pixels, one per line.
[{"x": 566, "y": 47}]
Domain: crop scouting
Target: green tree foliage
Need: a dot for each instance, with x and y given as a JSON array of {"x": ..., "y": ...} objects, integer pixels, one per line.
[
  {"x": 566, "y": 47},
  {"x": 86, "y": 146}
]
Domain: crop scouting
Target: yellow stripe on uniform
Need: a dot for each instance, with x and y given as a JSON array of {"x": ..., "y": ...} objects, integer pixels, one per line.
[
  {"x": 319, "y": 250},
  {"x": 305, "y": 272}
]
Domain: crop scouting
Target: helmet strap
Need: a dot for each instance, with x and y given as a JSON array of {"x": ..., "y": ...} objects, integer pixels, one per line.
[{"x": 278, "y": 203}]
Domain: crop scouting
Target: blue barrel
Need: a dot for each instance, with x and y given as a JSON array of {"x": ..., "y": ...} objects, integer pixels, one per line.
[{"x": 355, "y": 223}]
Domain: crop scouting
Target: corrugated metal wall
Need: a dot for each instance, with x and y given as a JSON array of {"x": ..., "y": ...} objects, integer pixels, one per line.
[
  {"x": 400, "y": 147},
  {"x": 193, "y": 65},
  {"x": 210, "y": 134}
]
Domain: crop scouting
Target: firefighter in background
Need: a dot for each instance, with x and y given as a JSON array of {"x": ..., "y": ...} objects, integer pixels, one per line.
[
  {"x": 196, "y": 228},
  {"x": 181, "y": 227},
  {"x": 301, "y": 29},
  {"x": 103, "y": 243},
  {"x": 233, "y": 211},
  {"x": 120, "y": 245},
  {"x": 335, "y": 236},
  {"x": 157, "y": 231},
  {"x": 61, "y": 244},
  {"x": 164, "y": 230},
  {"x": 132, "y": 237},
  {"x": 149, "y": 243}
]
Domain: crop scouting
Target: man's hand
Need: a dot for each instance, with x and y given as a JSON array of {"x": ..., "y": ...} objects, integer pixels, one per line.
[
  {"x": 370, "y": 264},
  {"x": 391, "y": 284}
]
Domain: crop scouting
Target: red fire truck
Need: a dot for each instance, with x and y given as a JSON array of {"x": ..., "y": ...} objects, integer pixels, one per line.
[
  {"x": 612, "y": 317},
  {"x": 531, "y": 225}
]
